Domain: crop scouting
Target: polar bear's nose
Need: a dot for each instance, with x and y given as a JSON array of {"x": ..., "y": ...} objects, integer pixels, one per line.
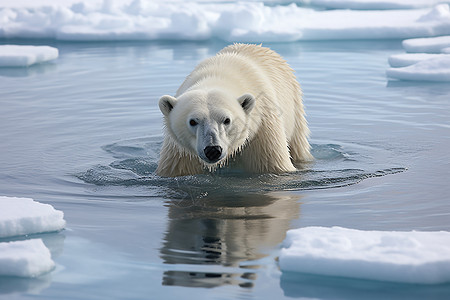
[{"x": 213, "y": 152}]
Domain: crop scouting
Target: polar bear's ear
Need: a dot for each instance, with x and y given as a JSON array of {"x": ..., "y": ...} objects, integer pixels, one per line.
[
  {"x": 247, "y": 101},
  {"x": 166, "y": 104}
]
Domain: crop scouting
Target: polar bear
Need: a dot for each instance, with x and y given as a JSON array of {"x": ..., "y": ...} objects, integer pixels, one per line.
[{"x": 244, "y": 107}]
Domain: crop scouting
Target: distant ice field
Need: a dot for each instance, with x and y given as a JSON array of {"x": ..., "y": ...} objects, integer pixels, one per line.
[{"x": 248, "y": 21}]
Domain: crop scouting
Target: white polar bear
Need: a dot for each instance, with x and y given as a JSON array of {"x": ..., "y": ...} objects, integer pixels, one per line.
[{"x": 243, "y": 105}]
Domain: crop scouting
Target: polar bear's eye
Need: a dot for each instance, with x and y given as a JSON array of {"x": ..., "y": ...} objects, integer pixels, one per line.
[
  {"x": 192, "y": 122},
  {"x": 227, "y": 121}
]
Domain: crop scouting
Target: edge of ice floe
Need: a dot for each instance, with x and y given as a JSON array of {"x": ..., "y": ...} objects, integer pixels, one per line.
[
  {"x": 24, "y": 216},
  {"x": 428, "y": 59},
  {"x": 407, "y": 257},
  {"x": 26, "y": 55}
]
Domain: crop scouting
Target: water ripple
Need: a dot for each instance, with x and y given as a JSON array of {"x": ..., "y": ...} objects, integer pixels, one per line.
[{"x": 137, "y": 163}]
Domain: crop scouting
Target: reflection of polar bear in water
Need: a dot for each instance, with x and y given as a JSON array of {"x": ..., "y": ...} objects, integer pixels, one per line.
[
  {"x": 242, "y": 104},
  {"x": 226, "y": 230}
]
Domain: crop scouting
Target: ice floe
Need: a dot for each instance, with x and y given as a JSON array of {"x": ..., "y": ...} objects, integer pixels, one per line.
[
  {"x": 408, "y": 257},
  {"x": 429, "y": 45},
  {"x": 22, "y": 216},
  {"x": 407, "y": 59},
  {"x": 24, "y": 56},
  {"x": 432, "y": 65},
  {"x": 433, "y": 69},
  {"x": 29, "y": 258},
  {"x": 249, "y": 21}
]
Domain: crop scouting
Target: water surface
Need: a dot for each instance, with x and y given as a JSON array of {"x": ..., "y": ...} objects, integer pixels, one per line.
[{"x": 83, "y": 133}]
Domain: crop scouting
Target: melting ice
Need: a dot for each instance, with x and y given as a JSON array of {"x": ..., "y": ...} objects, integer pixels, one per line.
[
  {"x": 20, "y": 217},
  {"x": 409, "y": 257}
]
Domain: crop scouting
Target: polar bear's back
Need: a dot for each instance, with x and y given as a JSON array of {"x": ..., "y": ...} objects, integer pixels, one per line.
[
  {"x": 246, "y": 62},
  {"x": 280, "y": 76},
  {"x": 279, "y": 73},
  {"x": 265, "y": 57}
]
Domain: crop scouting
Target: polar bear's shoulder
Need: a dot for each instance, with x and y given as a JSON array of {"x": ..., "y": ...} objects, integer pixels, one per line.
[{"x": 255, "y": 52}]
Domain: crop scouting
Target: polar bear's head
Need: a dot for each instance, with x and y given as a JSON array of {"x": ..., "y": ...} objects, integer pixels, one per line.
[{"x": 212, "y": 125}]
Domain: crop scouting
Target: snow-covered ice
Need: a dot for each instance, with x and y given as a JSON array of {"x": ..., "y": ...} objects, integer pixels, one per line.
[
  {"x": 22, "y": 216},
  {"x": 349, "y": 4},
  {"x": 249, "y": 21},
  {"x": 433, "y": 69},
  {"x": 29, "y": 258},
  {"x": 24, "y": 56},
  {"x": 372, "y": 4},
  {"x": 429, "y": 45},
  {"x": 407, "y": 59},
  {"x": 432, "y": 65},
  {"x": 409, "y": 257}
]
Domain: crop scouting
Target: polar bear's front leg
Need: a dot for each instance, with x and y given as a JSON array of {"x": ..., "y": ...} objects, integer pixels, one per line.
[
  {"x": 174, "y": 162},
  {"x": 268, "y": 152}
]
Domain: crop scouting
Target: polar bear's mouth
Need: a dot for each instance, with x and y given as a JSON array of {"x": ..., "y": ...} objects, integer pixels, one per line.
[{"x": 212, "y": 154}]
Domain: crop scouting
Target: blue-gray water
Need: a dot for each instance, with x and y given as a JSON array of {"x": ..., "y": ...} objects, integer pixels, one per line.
[{"x": 83, "y": 134}]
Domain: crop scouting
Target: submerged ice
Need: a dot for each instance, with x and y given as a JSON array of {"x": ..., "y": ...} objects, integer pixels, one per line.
[{"x": 409, "y": 257}]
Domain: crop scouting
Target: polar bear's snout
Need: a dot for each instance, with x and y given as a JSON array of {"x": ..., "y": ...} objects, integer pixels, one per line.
[
  {"x": 213, "y": 153},
  {"x": 211, "y": 141}
]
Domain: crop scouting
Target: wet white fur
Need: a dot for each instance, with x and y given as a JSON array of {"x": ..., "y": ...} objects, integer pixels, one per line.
[{"x": 269, "y": 136}]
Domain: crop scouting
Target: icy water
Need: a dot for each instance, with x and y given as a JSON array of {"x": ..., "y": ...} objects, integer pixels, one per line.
[{"x": 83, "y": 134}]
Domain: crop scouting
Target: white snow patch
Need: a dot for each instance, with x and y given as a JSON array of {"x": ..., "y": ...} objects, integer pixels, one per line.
[
  {"x": 432, "y": 65},
  {"x": 429, "y": 45},
  {"x": 407, "y": 59},
  {"x": 24, "y": 56},
  {"x": 410, "y": 257},
  {"x": 434, "y": 69},
  {"x": 249, "y": 21},
  {"x": 22, "y": 216},
  {"x": 29, "y": 258}
]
